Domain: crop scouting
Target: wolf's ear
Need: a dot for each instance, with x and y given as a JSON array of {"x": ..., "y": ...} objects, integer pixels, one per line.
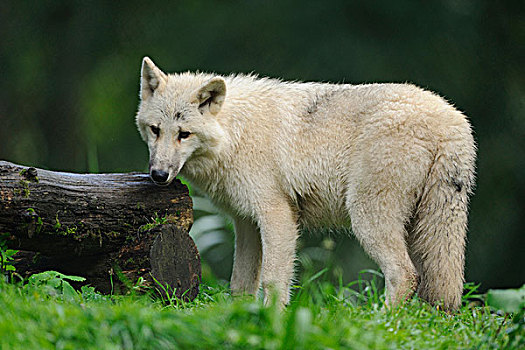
[
  {"x": 151, "y": 78},
  {"x": 211, "y": 95}
]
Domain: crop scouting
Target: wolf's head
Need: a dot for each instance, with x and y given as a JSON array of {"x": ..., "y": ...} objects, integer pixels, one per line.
[{"x": 177, "y": 118}]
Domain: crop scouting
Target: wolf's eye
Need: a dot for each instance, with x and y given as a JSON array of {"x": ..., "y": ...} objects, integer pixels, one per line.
[
  {"x": 184, "y": 135},
  {"x": 155, "y": 130}
]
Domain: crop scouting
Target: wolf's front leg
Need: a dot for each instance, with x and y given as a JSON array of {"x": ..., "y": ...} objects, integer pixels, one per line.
[
  {"x": 247, "y": 261},
  {"x": 279, "y": 233}
]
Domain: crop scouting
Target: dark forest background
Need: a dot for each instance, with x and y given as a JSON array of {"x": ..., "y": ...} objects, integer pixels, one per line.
[{"x": 69, "y": 82}]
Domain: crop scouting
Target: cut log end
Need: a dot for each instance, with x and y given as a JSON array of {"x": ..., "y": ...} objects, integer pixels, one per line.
[{"x": 175, "y": 261}]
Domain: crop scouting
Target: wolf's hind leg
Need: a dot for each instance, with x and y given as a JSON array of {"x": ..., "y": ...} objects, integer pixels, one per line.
[
  {"x": 248, "y": 255},
  {"x": 378, "y": 224}
]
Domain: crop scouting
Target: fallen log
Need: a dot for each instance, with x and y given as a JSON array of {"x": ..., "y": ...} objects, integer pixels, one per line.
[{"x": 111, "y": 229}]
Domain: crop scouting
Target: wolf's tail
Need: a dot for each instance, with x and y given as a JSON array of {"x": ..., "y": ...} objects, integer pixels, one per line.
[{"x": 437, "y": 238}]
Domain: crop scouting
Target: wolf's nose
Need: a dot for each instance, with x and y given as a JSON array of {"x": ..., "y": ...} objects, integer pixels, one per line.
[{"x": 159, "y": 176}]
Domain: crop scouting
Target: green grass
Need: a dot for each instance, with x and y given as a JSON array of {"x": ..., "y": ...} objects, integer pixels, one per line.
[{"x": 321, "y": 316}]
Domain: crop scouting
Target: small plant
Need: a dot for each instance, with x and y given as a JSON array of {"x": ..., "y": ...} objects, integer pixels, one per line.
[
  {"x": 36, "y": 219},
  {"x": 6, "y": 258},
  {"x": 155, "y": 221},
  {"x": 57, "y": 224},
  {"x": 55, "y": 284},
  {"x": 168, "y": 295},
  {"x": 89, "y": 294},
  {"x": 6, "y": 265}
]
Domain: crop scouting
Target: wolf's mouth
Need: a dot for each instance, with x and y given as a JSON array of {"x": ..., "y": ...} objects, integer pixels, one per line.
[{"x": 162, "y": 184}]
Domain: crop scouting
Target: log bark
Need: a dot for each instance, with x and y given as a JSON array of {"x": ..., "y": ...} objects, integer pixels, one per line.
[{"x": 109, "y": 228}]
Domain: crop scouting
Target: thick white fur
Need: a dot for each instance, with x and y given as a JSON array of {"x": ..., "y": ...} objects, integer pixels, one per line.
[{"x": 392, "y": 160}]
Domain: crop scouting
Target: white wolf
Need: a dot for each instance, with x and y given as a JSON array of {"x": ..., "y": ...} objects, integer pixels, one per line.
[{"x": 394, "y": 162}]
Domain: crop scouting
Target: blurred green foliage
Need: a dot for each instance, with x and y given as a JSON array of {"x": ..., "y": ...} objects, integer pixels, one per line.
[
  {"x": 45, "y": 315},
  {"x": 70, "y": 74}
]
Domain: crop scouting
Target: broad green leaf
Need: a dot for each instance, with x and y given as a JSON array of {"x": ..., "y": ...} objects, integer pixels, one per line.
[
  {"x": 68, "y": 291},
  {"x": 508, "y": 300},
  {"x": 71, "y": 278},
  {"x": 43, "y": 276}
]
